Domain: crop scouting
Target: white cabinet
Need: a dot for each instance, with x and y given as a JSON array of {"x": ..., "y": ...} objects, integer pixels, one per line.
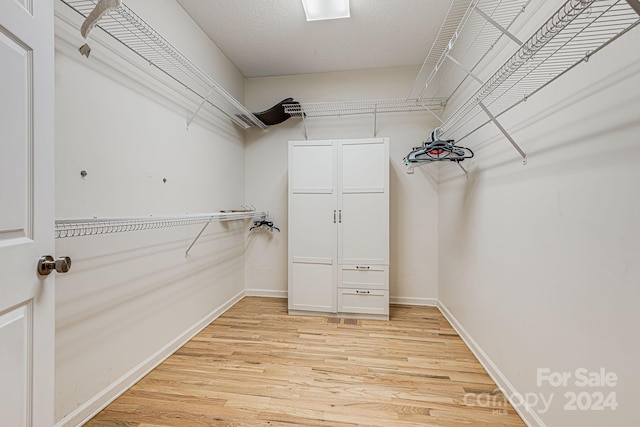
[{"x": 339, "y": 226}]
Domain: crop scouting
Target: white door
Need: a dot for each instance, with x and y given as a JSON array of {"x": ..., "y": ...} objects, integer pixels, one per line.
[
  {"x": 363, "y": 206},
  {"x": 312, "y": 226},
  {"x": 26, "y": 212}
]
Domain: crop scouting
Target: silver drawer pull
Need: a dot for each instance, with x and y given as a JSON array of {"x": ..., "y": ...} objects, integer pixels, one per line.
[
  {"x": 360, "y": 267},
  {"x": 362, "y": 292}
]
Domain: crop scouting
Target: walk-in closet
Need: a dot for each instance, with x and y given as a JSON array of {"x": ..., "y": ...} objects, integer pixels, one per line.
[{"x": 343, "y": 213}]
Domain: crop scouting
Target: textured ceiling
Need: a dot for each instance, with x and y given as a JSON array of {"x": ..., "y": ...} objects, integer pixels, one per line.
[{"x": 272, "y": 37}]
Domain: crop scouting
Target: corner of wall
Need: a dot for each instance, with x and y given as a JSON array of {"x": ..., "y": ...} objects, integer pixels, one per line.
[{"x": 528, "y": 415}]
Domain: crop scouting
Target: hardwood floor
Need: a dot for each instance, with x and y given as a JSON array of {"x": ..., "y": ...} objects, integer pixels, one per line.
[{"x": 257, "y": 366}]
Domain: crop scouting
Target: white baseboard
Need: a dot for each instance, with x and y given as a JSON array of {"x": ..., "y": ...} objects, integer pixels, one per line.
[
  {"x": 265, "y": 293},
  {"x": 529, "y": 416},
  {"x": 431, "y": 302},
  {"x": 98, "y": 402}
]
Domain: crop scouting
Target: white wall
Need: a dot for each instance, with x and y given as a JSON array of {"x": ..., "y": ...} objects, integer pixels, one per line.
[
  {"x": 130, "y": 297},
  {"x": 537, "y": 262},
  {"x": 413, "y": 216},
  {"x": 540, "y": 263}
]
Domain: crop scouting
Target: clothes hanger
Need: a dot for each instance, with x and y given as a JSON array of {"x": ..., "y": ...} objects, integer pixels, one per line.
[
  {"x": 434, "y": 149},
  {"x": 264, "y": 223},
  {"x": 438, "y": 151}
]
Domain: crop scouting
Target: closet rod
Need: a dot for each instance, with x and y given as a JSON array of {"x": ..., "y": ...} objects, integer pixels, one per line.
[
  {"x": 134, "y": 33},
  {"x": 95, "y": 226}
]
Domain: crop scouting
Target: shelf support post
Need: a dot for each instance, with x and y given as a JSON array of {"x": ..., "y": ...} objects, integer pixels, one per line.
[
  {"x": 186, "y": 254},
  {"x": 304, "y": 125},
  {"x": 498, "y": 26},
  {"x": 504, "y": 132},
  {"x": 431, "y": 112},
  {"x": 463, "y": 170},
  {"x": 195, "y": 113},
  {"x": 375, "y": 121},
  {"x": 463, "y": 68}
]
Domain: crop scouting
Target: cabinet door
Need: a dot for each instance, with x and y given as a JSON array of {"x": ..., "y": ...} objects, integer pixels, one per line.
[
  {"x": 312, "y": 225},
  {"x": 363, "y": 203}
]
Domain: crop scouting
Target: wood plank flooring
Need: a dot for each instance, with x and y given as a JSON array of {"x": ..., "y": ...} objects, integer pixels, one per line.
[{"x": 257, "y": 366}]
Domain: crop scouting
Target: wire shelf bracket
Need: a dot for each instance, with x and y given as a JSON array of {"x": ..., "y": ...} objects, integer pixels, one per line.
[
  {"x": 463, "y": 68},
  {"x": 497, "y": 25},
  {"x": 134, "y": 33},
  {"x": 466, "y": 173},
  {"x": 195, "y": 113},
  {"x": 505, "y": 133},
  {"x": 257, "y": 216}
]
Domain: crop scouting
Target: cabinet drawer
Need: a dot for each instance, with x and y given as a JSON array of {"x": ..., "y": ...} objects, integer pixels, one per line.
[
  {"x": 364, "y": 301},
  {"x": 363, "y": 276}
]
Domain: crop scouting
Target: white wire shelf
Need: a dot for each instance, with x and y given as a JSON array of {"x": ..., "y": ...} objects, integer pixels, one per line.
[
  {"x": 374, "y": 106},
  {"x": 95, "y": 226},
  {"x": 457, "y": 15},
  {"x": 464, "y": 40},
  {"x": 129, "y": 29},
  {"x": 577, "y": 30}
]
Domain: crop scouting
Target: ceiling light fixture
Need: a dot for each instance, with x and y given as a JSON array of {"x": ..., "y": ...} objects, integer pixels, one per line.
[{"x": 318, "y": 10}]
